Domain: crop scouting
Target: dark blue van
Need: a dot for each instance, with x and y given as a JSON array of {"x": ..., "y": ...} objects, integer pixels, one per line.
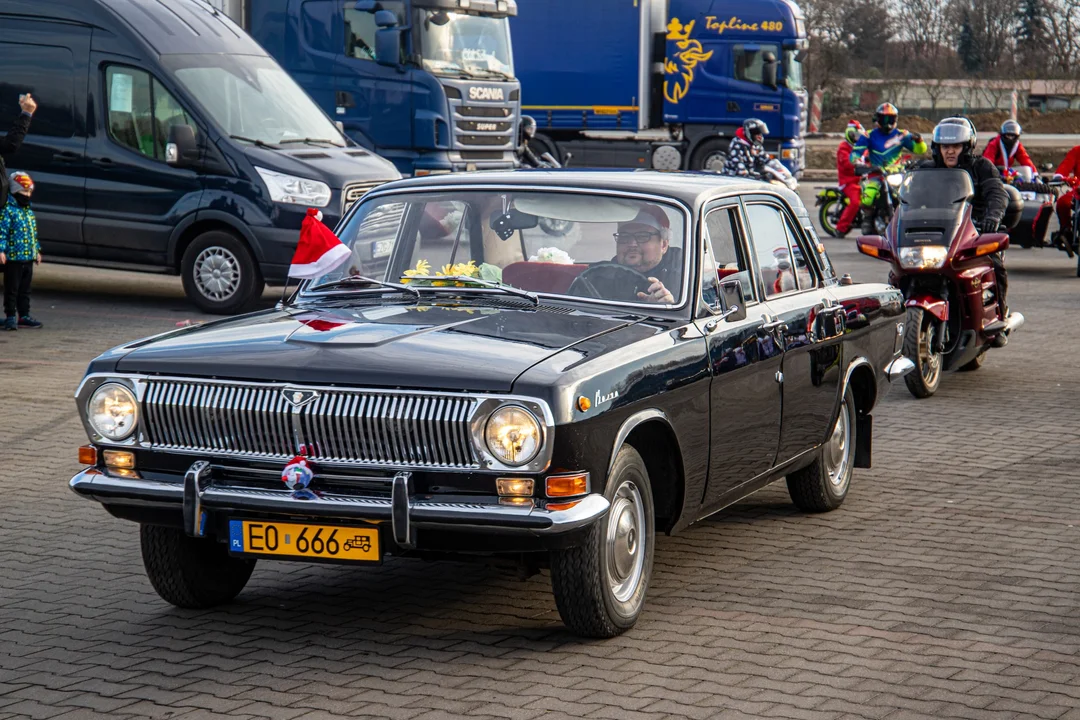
[{"x": 167, "y": 140}]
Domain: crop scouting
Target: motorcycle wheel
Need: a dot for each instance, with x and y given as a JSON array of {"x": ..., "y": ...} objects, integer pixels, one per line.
[
  {"x": 974, "y": 364},
  {"x": 829, "y": 215},
  {"x": 921, "y": 328},
  {"x": 555, "y": 228}
]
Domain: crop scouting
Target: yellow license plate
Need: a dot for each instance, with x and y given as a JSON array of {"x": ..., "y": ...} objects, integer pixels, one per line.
[{"x": 321, "y": 542}]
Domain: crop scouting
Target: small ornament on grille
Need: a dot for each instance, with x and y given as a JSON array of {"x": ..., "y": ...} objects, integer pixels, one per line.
[{"x": 298, "y": 473}]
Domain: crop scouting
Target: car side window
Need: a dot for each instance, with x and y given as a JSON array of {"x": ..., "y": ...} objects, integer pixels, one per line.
[
  {"x": 724, "y": 250},
  {"x": 141, "y": 111},
  {"x": 804, "y": 270},
  {"x": 772, "y": 248}
]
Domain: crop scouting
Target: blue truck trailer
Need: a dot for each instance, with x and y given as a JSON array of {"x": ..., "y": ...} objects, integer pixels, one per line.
[
  {"x": 661, "y": 83},
  {"x": 427, "y": 84}
]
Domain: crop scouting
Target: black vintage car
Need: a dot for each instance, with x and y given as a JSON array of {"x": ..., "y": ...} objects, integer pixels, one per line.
[{"x": 468, "y": 384}]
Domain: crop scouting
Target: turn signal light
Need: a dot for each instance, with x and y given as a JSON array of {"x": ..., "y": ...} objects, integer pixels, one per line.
[
  {"x": 119, "y": 459},
  {"x": 567, "y": 485},
  {"x": 562, "y": 506},
  {"x": 514, "y": 487},
  {"x": 88, "y": 455},
  {"x": 987, "y": 249}
]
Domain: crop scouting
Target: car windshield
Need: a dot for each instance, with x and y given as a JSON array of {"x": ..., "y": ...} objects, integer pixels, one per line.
[
  {"x": 592, "y": 246},
  {"x": 456, "y": 44},
  {"x": 251, "y": 97}
]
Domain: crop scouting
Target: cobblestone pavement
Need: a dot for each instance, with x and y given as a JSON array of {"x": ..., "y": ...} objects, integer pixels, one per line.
[{"x": 947, "y": 585}]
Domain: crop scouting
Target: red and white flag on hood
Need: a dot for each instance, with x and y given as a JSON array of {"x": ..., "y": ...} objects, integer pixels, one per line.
[{"x": 319, "y": 250}]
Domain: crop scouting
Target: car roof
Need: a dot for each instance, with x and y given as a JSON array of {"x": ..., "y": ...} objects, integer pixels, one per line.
[{"x": 691, "y": 188}]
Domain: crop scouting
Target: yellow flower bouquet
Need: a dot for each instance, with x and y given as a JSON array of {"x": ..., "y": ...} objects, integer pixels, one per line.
[{"x": 421, "y": 274}]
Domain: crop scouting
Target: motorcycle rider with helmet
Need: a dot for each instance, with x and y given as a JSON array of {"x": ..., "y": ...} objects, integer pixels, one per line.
[
  {"x": 953, "y": 146},
  {"x": 1069, "y": 167},
  {"x": 847, "y": 178},
  {"x": 1006, "y": 151},
  {"x": 884, "y": 145},
  {"x": 746, "y": 155},
  {"x": 526, "y": 132}
]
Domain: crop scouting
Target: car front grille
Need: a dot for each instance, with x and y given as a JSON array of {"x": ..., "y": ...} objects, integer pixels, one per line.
[
  {"x": 390, "y": 429},
  {"x": 355, "y": 191}
]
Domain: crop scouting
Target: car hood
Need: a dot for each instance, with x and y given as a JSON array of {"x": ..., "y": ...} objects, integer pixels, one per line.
[
  {"x": 449, "y": 347},
  {"x": 335, "y": 166}
]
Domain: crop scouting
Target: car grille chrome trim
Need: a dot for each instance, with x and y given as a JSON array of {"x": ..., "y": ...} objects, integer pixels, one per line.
[
  {"x": 345, "y": 426},
  {"x": 354, "y": 191}
]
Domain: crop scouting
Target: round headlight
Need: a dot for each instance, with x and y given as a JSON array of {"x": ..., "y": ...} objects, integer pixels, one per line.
[
  {"x": 112, "y": 411},
  {"x": 513, "y": 435}
]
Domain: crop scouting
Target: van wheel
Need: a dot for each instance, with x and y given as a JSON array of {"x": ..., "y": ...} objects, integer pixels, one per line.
[
  {"x": 220, "y": 274},
  {"x": 600, "y": 585}
]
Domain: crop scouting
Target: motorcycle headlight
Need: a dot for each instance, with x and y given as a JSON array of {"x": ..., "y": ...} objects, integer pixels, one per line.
[
  {"x": 895, "y": 180},
  {"x": 294, "y": 190},
  {"x": 513, "y": 435},
  {"x": 113, "y": 411},
  {"x": 927, "y": 257}
]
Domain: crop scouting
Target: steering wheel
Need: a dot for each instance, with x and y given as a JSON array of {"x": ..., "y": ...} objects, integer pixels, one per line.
[{"x": 621, "y": 282}]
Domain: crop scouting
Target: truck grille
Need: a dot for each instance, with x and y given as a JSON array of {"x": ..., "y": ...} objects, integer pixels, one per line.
[
  {"x": 334, "y": 426},
  {"x": 480, "y": 126},
  {"x": 355, "y": 191}
]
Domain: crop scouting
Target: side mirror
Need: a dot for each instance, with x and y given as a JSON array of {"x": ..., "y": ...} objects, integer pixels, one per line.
[
  {"x": 388, "y": 46},
  {"x": 180, "y": 148},
  {"x": 731, "y": 300},
  {"x": 768, "y": 74},
  {"x": 385, "y": 19},
  {"x": 874, "y": 246}
]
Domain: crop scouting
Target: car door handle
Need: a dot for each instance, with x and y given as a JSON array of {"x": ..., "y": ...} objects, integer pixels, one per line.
[
  {"x": 65, "y": 156},
  {"x": 104, "y": 162},
  {"x": 775, "y": 325}
]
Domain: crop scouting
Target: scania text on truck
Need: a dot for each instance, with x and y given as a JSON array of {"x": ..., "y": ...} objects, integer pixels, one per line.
[
  {"x": 427, "y": 84},
  {"x": 661, "y": 83}
]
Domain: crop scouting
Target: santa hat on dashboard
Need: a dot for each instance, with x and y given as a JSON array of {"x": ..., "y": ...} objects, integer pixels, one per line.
[{"x": 319, "y": 250}]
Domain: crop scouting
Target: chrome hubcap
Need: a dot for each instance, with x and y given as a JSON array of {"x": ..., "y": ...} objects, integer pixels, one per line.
[
  {"x": 217, "y": 273},
  {"x": 838, "y": 449},
  {"x": 931, "y": 362},
  {"x": 625, "y": 543}
]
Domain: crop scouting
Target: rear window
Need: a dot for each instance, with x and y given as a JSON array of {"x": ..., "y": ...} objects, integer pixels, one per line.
[{"x": 48, "y": 73}]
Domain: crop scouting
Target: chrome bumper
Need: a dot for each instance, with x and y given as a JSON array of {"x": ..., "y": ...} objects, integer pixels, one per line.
[
  {"x": 898, "y": 368},
  {"x": 197, "y": 496}
]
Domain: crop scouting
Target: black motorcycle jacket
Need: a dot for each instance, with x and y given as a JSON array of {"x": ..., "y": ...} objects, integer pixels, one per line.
[{"x": 991, "y": 201}]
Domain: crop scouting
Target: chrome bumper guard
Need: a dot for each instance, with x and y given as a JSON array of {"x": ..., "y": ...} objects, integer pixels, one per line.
[
  {"x": 197, "y": 496},
  {"x": 898, "y": 368}
]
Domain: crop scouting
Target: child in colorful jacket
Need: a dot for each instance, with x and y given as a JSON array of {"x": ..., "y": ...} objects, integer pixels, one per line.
[{"x": 19, "y": 252}]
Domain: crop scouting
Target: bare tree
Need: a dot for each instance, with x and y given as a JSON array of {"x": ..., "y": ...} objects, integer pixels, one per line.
[{"x": 1063, "y": 29}]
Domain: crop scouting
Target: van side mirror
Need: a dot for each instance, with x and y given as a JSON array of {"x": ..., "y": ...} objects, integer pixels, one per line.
[
  {"x": 388, "y": 46},
  {"x": 180, "y": 148},
  {"x": 732, "y": 300}
]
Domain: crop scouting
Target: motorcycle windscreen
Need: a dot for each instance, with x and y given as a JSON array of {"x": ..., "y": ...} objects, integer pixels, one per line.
[{"x": 933, "y": 202}]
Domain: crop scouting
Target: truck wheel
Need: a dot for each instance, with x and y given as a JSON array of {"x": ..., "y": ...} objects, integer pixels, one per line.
[
  {"x": 919, "y": 334},
  {"x": 191, "y": 572},
  {"x": 600, "y": 585},
  {"x": 220, "y": 274},
  {"x": 822, "y": 486},
  {"x": 710, "y": 156}
]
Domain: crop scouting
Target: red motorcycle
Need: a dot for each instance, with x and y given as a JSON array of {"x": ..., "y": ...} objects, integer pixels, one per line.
[{"x": 941, "y": 264}]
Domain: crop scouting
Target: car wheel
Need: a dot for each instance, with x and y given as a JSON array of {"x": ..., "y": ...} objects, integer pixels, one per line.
[
  {"x": 191, "y": 572},
  {"x": 823, "y": 485},
  {"x": 828, "y": 216},
  {"x": 974, "y": 364},
  {"x": 919, "y": 336},
  {"x": 220, "y": 274},
  {"x": 600, "y": 585},
  {"x": 710, "y": 156}
]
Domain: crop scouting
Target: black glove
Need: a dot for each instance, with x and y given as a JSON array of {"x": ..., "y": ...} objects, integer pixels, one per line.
[
  {"x": 988, "y": 226},
  {"x": 862, "y": 169},
  {"x": 916, "y": 137}
]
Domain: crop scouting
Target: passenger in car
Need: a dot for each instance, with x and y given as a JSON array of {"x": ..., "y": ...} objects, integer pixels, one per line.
[{"x": 644, "y": 244}]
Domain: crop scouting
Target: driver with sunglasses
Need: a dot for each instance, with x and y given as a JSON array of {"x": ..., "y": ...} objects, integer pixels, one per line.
[{"x": 644, "y": 244}]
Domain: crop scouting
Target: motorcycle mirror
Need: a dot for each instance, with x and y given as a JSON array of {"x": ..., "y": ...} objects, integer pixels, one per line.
[{"x": 874, "y": 246}]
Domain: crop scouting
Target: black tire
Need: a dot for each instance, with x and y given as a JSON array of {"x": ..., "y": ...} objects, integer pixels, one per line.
[
  {"x": 974, "y": 364},
  {"x": 191, "y": 572},
  {"x": 582, "y": 577},
  {"x": 922, "y": 382},
  {"x": 823, "y": 485},
  {"x": 826, "y": 222},
  {"x": 710, "y": 156},
  {"x": 240, "y": 282}
]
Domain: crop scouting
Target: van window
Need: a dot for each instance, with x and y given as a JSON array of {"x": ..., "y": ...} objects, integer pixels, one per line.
[
  {"x": 141, "y": 111},
  {"x": 49, "y": 74},
  {"x": 749, "y": 63}
]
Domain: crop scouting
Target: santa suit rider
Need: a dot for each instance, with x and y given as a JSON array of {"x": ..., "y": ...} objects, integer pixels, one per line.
[
  {"x": 1007, "y": 152},
  {"x": 847, "y": 178}
]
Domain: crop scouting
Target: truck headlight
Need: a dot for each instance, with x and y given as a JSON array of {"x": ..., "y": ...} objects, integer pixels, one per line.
[
  {"x": 294, "y": 190},
  {"x": 513, "y": 435},
  {"x": 113, "y": 411},
  {"x": 927, "y": 257}
]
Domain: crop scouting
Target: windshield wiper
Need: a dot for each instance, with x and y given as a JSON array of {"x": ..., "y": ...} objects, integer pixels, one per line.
[
  {"x": 510, "y": 289},
  {"x": 254, "y": 141},
  {"x": 360, "y": 279},
  {"x": 490, "y": 73},
  {"x": 309, "y": 141}
]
